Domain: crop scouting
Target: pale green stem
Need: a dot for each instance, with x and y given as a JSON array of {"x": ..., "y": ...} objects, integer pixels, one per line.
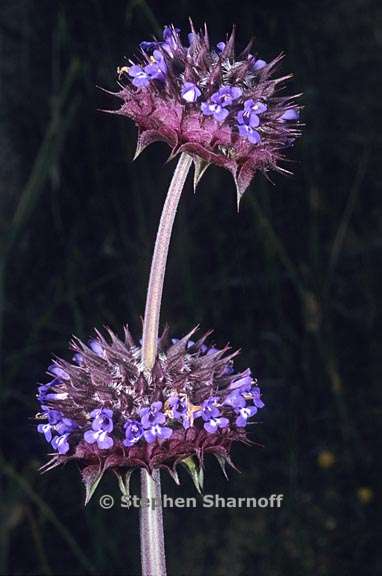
[
  {"x": 151, "y": 520},
  {"x": 153, "y": 557},
  {"x": 158, "y": 265}
]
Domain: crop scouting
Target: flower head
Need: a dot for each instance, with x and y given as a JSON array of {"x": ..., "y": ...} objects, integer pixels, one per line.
[
  {"x": 107, "y": 411},
  {"x": 220, "y": 108}
]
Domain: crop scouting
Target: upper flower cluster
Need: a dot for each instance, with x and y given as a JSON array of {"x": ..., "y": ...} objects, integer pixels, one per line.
[
  {"x": 104, "y": 407},
  {"x": 204, "y": 100}
]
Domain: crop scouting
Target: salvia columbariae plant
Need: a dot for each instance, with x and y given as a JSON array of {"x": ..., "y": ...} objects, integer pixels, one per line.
[{"x": 119, "y": 404}]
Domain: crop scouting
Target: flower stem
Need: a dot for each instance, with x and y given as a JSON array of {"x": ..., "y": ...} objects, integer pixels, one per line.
[
  {"x": 158, "y": 265},
  {"x": 151, "y": 520},
  {"x": 151, "y": 525}
]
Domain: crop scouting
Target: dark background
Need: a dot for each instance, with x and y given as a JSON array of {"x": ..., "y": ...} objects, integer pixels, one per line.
[{"x": 291, "y": 279}]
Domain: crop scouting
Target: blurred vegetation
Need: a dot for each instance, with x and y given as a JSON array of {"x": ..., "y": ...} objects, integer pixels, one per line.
[{"x": 292, "y": 280}]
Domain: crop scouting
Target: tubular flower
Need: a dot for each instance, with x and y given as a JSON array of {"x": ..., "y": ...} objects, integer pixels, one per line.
[
  {"x": 106, "y": 411},
  {"x": 203, "y": 100}
]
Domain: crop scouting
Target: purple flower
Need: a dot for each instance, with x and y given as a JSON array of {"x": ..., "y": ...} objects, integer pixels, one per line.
[
  {"x": 104, "y": 441},
  {"x": 216, "y": 106},
  {"x": 101, "y": 426},
  {"x": 45, "y": 391},
  {"x": 148, "y": 46},
  {"x": 215, "y": 110},
  {"x": 220, "y": 46},
  {"x": 60, "y": 373},
  {"x": 141, "y": 78},
  {"x": 57, "y": 396},
  {"x": 213, "y": 424},
  {"x": 169, "y": 41},
  {"x": 246, "y": 123},
  {"x": 254, "y": 395},
  {"x": 190, "y": 343},
  {"x": 78, "y": 358},
  {"x": 244, "y": 414},
  {"x": 290, "y": 114},
  {"x": 65, "y": 425},
  {"x": 192, "y": 37},
  {"x": 226, "y": 95},
  {"x": 97, "y": 348},
  {"x": 259, "y": 65},
  {"x": 46, "y": 429},
  {"x": 157, "y": 431},
  {"x": 54, "y": 416},
  {"x": 190, "y": 92},
  {"x": 255, "y": 106},
  {"x": 61, "y": 444},
  {"x": 228, "y": 369},
  {"x": 244, "y": 383},
  {"x": 56, "y": 423},
  {"x": 212, "y": 350},
  {"x": 133, "y": 432},
  {"x": 178, "y": 406},
  {"x": 235, "y": 399},
  {"x": 102, "y": 419},
  {"x": 243, "y": 387},
  {"x": 157, "y": 69},
  {"x": 209, "y": 409},
  {"x": 179, "y": 410},
  {"x": 170, "y": 37},
  {"x": 152, "y": 415}
]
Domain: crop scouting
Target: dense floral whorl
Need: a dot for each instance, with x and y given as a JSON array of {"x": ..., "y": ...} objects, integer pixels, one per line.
[
  {"x": 204, "y": 101},
  {"x": 106, "y": 411}
]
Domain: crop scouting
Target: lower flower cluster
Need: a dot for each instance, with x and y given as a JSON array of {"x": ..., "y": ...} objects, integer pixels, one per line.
[{"x": 105, "y": 410}]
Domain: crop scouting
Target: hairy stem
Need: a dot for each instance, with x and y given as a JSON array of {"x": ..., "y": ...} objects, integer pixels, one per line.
[
  {"x": 151, "y": 520},
  {"x": 158, "y": 265}
]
